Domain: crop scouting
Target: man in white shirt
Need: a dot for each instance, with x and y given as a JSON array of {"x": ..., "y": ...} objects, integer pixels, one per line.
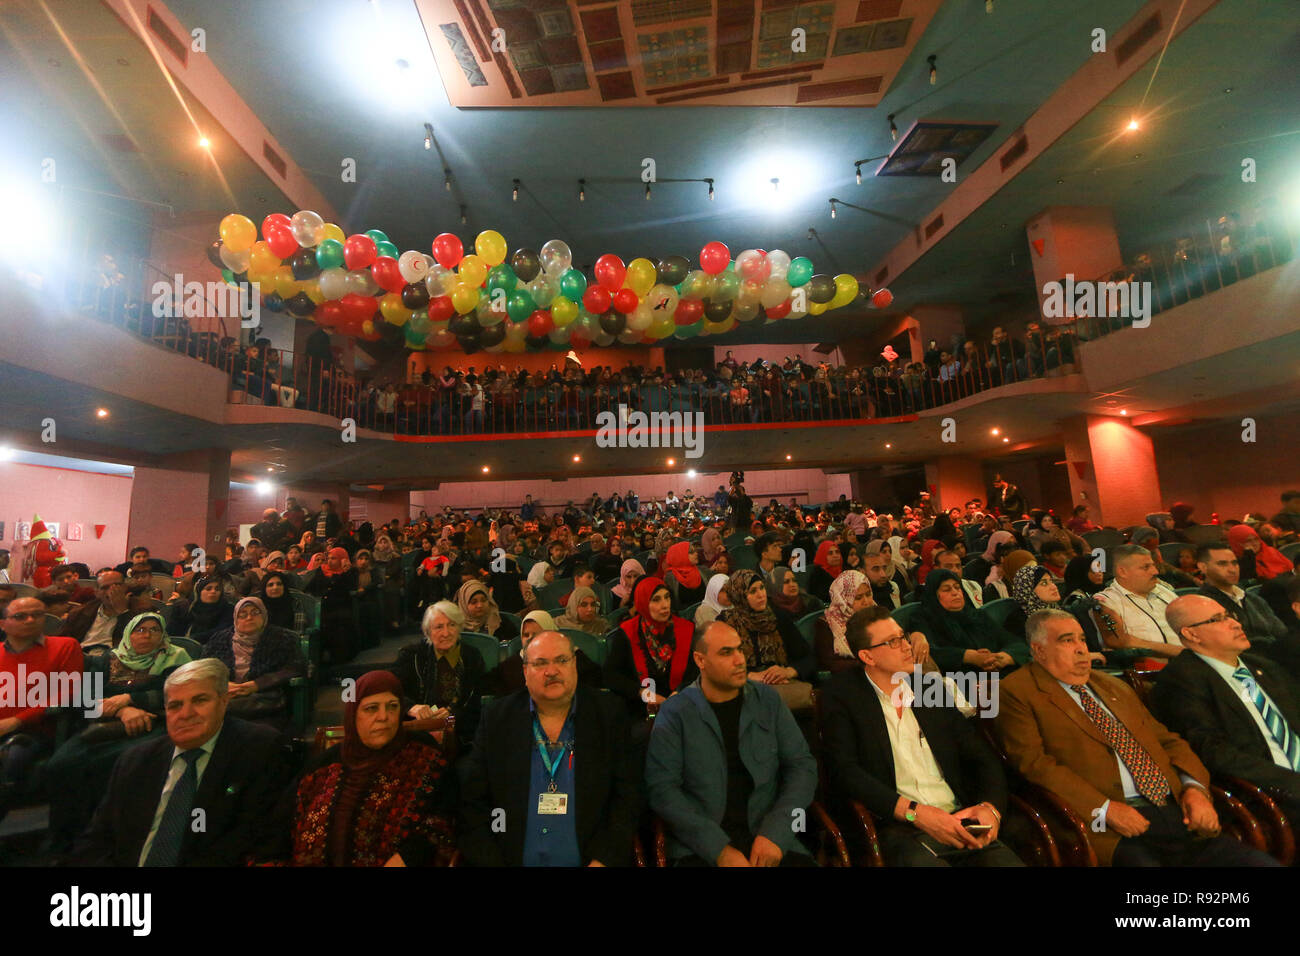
[
  {"x": 1238, "y": 710},
  {"x": 1135, "y": 603},
  {"x": 932, "y": 781}
]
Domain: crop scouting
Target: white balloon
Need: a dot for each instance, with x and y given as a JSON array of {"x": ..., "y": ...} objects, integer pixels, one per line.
[
  {"x": 780, "y": 262},
  {"x": 603, "y": 338},
  {"x": 413, "y": 266},
  {"x": 543, "y": 289},
  {"x": 361, "y": 282},
  {"x": 334, "y": 283},
  {"x": 235, "y": 261},
  {"x": 558, "y": 336},
  {"x": 308, "y": 228},
  {"x": 640, "y": 319},
  {"x": 556, "y": 257},
  {"x": 775, "y": 291}
]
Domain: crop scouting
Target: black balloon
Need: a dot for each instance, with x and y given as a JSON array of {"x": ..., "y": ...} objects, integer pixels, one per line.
[
  {"x": 467, "y": 324},
  {"x": 300, "y": 305},
  {"x": 470, "y": 342},
  {"x": 613, "y": 322},
  {"x": 716, "y": 311},
  {"x": 415, "y": 296},
  {"x": 274, "y": 302},
  {"x": 526, "y": 264},
  {"x": 537, "y": 341},
  {"x": 493, "y": 335},
  {"x": 672, "y": 269},
  {"x": 214, "y": 255},
  {"x": 303, "y": 264},
  {"x": 821, "y": 288}
]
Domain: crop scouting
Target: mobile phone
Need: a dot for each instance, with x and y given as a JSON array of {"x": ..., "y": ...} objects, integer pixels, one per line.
[{"x": 973, "y": 825}]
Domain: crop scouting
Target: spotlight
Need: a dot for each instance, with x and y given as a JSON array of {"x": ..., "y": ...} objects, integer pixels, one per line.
[
  {"x": 934, "y": 70},
  {"x": 101, "y": 413},
  {"x": 690, "y": 473},
  {"x": 776, "y": 184},
  {"x": 582, "y": 190},
  {"x": 857, "y": 167},
  {"x": 6, "y": 452},
  {"x": 446, "y": 178},
  {"x": 265, "y": 487},
  {"x": 204, "y": 142},
  {"x": 710, "y": 182},
  {"x": 893, "y": 130},
  {"x": 1133, "y": 124},
  {"x": 428, "y": 136},
  {"x": 832, "y": 208},
  {"x": 1123, "y": 411},
  {"x": 647, "y": 192},
  {"x": 514, "y": 193}
]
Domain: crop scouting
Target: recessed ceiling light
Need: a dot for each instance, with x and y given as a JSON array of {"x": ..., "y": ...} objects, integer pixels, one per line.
[
  {"x": 6, "y": 452},
  {"x": 204, "y": 142},
  {"x": 101, "y": 413},
  {"x": 690, "y": 473},
  {"x": 671, "y": 462},
  {"x": 269, "y": 468},
  {"x": 403, "y": 64},
  {"x": 577, "y": 458},
  {"x": 787, "y": 457},
  {"x": 486, "y": 469},
  {"x": 1133, "y": 124},
  {"x": 1123, "y": 411},
  {"x": 1005, "y": 440},
  {"x": 888, "y": 445},
  {"x": 993, "y": 431}
]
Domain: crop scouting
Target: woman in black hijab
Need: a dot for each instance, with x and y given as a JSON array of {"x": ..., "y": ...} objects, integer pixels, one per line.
[{"x": 281, "y": 609}]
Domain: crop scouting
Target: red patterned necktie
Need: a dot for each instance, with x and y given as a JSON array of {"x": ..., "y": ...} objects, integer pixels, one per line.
[{"x": 1151, "y": 783}]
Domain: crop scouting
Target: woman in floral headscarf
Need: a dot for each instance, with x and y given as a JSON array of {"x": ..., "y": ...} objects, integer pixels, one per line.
[
  {"x": 849, "y": 593},
  {"x": 774, "y": 650}
]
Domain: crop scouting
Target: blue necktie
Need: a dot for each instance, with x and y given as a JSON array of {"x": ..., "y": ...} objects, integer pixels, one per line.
[
  {"x": 166, "y": 849},
  {"x": 1274, "y": 721}
]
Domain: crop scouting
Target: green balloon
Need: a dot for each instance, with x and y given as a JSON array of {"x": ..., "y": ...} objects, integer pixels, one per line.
[
  {"x": 501, "y": 277},
  {"x": 329, "y": 254},
  {"x": 728, "y": 286},
  {"x": 385, "y": 248},
  {"x": 800, "y": 271},
  {"x": 414, "y": 339},
  {"x": 572, "y": 284},
  {"x": 689, "y": 331},
  {"x": 520, "y": 305},
  {"x": 378, "y": 236},
  {"x": 228, "y": 276}
]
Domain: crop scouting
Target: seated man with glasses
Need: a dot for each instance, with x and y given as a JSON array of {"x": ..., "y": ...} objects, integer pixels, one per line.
[
  {"x": 100, "y": 623},
  {"x": 1238, "y": 710},
  {"x": 552, "y": 779},
  {"x": 27, "y": 732},
  {"x": 925, "y": 772}
]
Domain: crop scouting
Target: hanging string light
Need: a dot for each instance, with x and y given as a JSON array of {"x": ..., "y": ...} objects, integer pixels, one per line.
[
  {"x": 934, "y": 70},
  {"x": 893, "y": 130}
]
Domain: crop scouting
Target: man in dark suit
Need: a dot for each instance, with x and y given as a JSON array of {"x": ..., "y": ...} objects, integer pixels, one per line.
[
  {"x": 201, "y": 796},
  {"x": 529, "y": 795},
  {"x": 1222, "y": 574},
  {"x": 1237, "y": 710},
  {"x": 921, "y": 770},
  {"x": 1087, "y": 738}
]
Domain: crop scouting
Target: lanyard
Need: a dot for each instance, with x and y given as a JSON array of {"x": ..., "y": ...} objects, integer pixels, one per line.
[{"x": 543, "y": 747}]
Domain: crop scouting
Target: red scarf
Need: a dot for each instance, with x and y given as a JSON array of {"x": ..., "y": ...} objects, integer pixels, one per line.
[
  {"x": 677, "y": 560},
  {"x": 682, "y": 633}
]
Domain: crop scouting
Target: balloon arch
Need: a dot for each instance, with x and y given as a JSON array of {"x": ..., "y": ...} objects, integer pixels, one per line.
[{"x": 490, "y": 300}]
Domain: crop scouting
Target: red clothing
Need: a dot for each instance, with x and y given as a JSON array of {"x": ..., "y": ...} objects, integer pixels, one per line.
[
  {"x": 436, "y": 565},
  {"x": 57, "y": 655},
  {"x": 1080, "y": 525}
]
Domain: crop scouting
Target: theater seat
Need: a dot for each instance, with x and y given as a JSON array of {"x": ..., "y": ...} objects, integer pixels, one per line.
[
  {"x": 1000, "y": 610},
  {"x": 488, "y": 647}
]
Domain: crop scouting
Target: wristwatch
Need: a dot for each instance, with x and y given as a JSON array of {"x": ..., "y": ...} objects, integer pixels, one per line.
[{"x": 910, "y": 812}]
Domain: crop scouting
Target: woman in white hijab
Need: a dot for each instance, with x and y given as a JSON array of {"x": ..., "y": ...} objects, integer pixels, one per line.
[{"x": 715, "y": 600}]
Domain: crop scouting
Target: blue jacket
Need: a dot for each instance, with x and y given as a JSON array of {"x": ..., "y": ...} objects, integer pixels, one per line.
[{"x": 686, "y": 771}]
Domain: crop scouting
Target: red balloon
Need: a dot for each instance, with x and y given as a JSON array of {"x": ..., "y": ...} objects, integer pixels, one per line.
[
  {"x": 359, "y": 251},
  {"x": 441, "y": 309},
  {"x": 330, "y": 314},
  {"x": 357, "y": 308},
  {"x": 275, "y": 220},
  {"x": 597, "y": 299},
  {"x": 714, "y": 257},
  {"x": 281, "y": 241},
  {"x": 779, "y": 311},
  {"x": 610, "y": 272},
  {"x": 385, "y": 272},
  {"x": 625, "y": 300},
  {"x": 448, "y": 250},
  {"x": 882, "y": 298},
  {"x": 689, "y": 311},
  {"x": 540, "y": 323}
]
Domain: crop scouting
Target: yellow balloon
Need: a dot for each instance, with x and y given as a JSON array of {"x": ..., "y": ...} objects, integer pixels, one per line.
[
  {"x": 661, "y": 327},
  {"x": 285, "y": 284},
  {"x": 491, "y": 246},
  {"x": 472, "y": 270},
  {"x": 391, "y": 308},
  {"x": 846, "y": 290},
  {"x": 563, "y": 311},
  {"x": 640, "y": 276},
  {"x": 261, "y": 258},
  {"x": 238, "y": 232},
  {"x": 464, "y": 297},
  {"x": 817, "y": 308},
  {"x": 368, "y": 327},
  {"x": 264, "y": 280},
  {"x": 312, "y": 288},
  {"x": 334, "y": 232}
]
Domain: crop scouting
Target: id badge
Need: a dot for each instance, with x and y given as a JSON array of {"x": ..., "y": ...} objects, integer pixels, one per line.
[{"x": 552, "y": 803}]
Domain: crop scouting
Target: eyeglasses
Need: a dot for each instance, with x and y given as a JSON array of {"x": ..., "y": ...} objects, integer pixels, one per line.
[
  {"x": 895, "y": 642},
  {"x": 26, "y": 615},
  {"x": 147, "y": 629},
  {"x": 1217, "y": 619},
  {"x": 542, "y": 663},
  {"x": 249, "y": 612}
]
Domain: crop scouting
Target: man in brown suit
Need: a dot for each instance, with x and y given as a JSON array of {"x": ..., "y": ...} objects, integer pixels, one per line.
[{"x": 1088, "y": 739}]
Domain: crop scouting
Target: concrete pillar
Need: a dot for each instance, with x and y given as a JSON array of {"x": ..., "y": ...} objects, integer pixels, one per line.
[
  {"x": 1112, "y": 469},
  {"x": 185, "y": 501},
  {"x": 1073, "y": 240},
  {"x": 954, "y": 480}
]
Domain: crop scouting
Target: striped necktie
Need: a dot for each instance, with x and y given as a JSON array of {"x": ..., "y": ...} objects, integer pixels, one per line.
[
  {"x": 166, "y": 849},
  {"x": 1150, "y": 781},
  {"x": 1273, "y": 720}
]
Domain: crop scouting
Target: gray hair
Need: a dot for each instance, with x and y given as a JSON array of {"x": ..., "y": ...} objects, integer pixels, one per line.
[
  {"x": 1128, "y": 551},
  {"x": 525, "y": 641},
  {"x": 1036, "y": 626},
  {"x": 447, "y": 609},
  {"x": 207, "y": 668}
]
